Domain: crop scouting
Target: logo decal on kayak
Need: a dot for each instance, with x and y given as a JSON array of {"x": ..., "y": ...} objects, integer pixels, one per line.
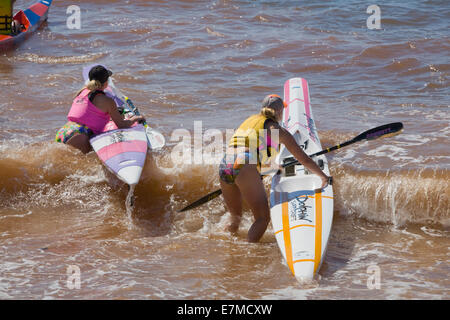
[
  {"x": 303, "y": 255},
  {"x": 299, "y": 210},
  {"x": 311, "y": 127},
  {"x": 304, "y": 145},
  {"x": 117, "y": 137}
]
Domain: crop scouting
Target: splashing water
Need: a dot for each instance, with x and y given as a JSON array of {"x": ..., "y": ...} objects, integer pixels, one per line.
[{"x": 129, "y": 202}]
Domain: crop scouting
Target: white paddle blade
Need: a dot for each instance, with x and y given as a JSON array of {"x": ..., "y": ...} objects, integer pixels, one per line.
[
  {"x": 116, "y": 91},
  {"x": 155, "y": 139}
]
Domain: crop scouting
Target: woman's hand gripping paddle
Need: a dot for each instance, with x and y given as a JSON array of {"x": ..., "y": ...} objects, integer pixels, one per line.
[{"x": 155, "y": 139}]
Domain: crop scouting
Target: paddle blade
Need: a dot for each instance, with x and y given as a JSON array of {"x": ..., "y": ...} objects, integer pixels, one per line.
[
  {"x": 116, "y": 90},
  {"x": 387, "y": 130},
  {"x": 155, "y": 139}
]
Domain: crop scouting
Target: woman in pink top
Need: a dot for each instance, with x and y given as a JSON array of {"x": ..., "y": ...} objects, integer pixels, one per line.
[{"x": 91, "y": 111}]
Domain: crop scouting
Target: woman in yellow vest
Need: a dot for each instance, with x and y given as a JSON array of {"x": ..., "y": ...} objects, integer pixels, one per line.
[{"x": 249, "y": 148}]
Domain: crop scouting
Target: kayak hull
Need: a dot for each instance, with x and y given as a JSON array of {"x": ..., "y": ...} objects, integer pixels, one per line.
[
  {"x": 301, "y": 212},
  {"x": 31, "y": 18},
  {"x": 123, "y": 152}
]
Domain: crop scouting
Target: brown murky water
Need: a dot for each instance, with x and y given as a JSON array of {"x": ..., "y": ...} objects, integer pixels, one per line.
[{"x": 213, "y": 61}]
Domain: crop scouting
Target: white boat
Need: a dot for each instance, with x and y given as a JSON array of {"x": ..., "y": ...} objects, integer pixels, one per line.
[{"x": 301, "y": 212}]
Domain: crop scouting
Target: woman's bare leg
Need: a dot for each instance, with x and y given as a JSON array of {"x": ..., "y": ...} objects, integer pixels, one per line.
[
  {"x": 233, "y": 200},
  {"x": 81, "y": 142},
  {"x": 253, "y": 192}
]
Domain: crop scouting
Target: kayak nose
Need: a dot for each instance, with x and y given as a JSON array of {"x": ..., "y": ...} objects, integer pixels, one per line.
[{"x": 130, "y": 174}]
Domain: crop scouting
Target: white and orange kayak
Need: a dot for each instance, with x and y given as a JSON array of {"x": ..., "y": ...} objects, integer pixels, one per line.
[{"x": 301, "y": 212}]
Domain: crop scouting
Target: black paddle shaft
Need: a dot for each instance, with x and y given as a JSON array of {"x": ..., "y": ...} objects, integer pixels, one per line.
[
  {"x": 381, "y": 131},
  {"x": 203, "y": 200}
]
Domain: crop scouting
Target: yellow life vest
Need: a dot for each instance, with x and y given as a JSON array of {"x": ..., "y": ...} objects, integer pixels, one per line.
[
  {"x": 252, "y": 135},
  {"x": 5, "y": 16}
]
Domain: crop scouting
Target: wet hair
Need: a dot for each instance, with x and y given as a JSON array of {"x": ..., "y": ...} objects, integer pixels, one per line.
[{"x": 270, "y": 105}]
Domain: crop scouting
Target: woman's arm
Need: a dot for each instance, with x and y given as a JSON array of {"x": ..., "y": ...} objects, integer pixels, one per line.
[
  {"x": 108, "y": 105},
  {"x": 288, "y": 140}
]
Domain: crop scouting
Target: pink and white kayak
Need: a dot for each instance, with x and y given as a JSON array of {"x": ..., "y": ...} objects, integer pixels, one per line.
[
  {"x": 123, "y": 152},
  {"x": 300, "y": 211}
]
